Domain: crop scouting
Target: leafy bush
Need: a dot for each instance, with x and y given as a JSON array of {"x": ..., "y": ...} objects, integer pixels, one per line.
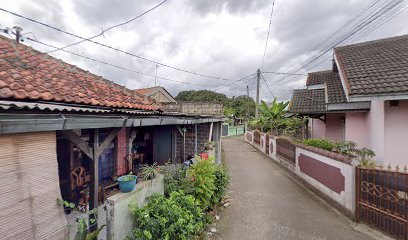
[
  {"x": 222, "y": 180},
  {"x": 202, "y": 180},
  {"x": 319, "y": 143},
  {"x": 175, "y": 179},
  {"x": 177, "y": 218}
]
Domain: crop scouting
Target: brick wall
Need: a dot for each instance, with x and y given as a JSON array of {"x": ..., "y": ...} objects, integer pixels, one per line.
[
  {"x": 195, "y": 108},
  {"x": 203, "y": 130},
  {"x": 121, "y": 152}
]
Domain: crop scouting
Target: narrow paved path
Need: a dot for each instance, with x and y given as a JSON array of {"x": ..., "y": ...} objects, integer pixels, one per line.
[{"x": 268, "y": 204}]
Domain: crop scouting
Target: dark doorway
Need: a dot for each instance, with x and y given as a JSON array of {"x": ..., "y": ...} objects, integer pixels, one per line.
[{"x": 162, "y": 137}]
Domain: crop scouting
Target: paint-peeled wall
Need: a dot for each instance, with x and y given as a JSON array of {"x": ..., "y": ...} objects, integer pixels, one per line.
[
  {"x": 318, "y": 128},
  {"x": 356, "y": 128},
  {"x": 335, "y": 127},
  {"x": 396, "y": 133}
]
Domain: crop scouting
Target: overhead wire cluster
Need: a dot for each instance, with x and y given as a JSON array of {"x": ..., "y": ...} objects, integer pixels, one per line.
[
  {"x": 83, "y": 39},
  {"x": 368, "y": 20}
]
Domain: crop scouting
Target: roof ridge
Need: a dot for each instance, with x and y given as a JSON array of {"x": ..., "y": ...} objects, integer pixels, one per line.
[{"x": 405, "y": 36}]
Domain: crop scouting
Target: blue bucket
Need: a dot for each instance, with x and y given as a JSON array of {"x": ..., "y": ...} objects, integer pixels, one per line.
[{"x": 127, "y": 183}]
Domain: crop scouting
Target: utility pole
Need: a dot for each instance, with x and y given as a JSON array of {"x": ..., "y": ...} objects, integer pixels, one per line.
[
  {"x": 155, "y": 76},
  {"x": 258, "y": 79},
  {"x": 247, "y": 103}
]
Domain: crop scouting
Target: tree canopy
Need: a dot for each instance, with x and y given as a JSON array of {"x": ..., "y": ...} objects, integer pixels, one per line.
[{"x": 201, "y": 96}]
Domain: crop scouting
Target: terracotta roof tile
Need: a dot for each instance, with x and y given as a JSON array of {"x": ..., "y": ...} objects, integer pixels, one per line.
[{"x": 32, "y": 75}]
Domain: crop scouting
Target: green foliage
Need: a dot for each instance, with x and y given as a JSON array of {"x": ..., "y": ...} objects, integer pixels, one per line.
[
  {"x": 83, "y": 232},
  {"x": 347, "y": 148},
  {"x": 291, "y": 126},
  {"x": 201, "y": 175},
  {"x": 229, "y": 112},
  {"x": 175, "y": 179},
  {"x": 201, "y": 96},
  {"x": 222, "y": 180},
  {"x": 241, "y": 106},
  {"x": 270, "y": 117},
  {"x": 320, "y": 143},
  {"x": 128, "y": 178},
  {"x": 65, "y": 203},
  {"x": 173, "y": 218},
  {"x": 150, "y": 172}
]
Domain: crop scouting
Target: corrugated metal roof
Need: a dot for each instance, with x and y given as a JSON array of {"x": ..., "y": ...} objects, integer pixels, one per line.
[{"x": 44, "y": 106}]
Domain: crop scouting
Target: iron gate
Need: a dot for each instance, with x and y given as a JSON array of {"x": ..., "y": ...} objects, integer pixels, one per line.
[
  {"x": 382, "y": 200},
  {"x": 286, "y": 150}
]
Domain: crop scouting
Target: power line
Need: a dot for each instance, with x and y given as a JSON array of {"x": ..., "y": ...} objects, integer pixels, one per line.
[
  {"x": 285, "y": 73},
  {"x": 112, "y": 48},
  {"x": 117, "y": 66},
  {"x": 266, "y": 83},
  {"x": 329, "y": 46},
  {"x": 235, "y": 82},
  {"x": 267, "y": 36},
  {"x": 110, "y": 28},
  {"x": 379, "y": 12}
]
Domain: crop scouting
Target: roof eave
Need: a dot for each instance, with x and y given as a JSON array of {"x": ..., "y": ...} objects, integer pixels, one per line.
[{"x": 379, "y": 97}]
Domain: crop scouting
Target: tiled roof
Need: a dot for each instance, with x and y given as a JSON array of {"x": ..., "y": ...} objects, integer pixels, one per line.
[
  {"x": 308, "y": 101},
  {"x": 28, "y": 74},
  {"x": 145, "y": 91},
  {"x": 335, "y": 92},
  {"x": 318, "y": 77},
  {"x": 376, "y": 67}
]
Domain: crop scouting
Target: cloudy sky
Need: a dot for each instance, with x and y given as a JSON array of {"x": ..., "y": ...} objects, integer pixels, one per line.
[{"x": 221, "y": 38}]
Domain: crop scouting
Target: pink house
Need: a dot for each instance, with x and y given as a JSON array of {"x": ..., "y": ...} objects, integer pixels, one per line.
[{"x": 363, "y": 99}]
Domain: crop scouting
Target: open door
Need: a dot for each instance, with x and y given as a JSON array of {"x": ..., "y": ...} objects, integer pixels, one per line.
[{"x": 162, "y": 144}]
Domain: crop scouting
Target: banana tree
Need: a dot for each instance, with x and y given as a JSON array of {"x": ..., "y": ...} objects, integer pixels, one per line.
[{"x": 270, "y": 117}]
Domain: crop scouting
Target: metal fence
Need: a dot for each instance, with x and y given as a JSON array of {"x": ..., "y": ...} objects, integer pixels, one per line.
[
  {"x": 232, "y": 130},
  {"x": 286, "y": 150},
  {"x": 382, "y": 200}
]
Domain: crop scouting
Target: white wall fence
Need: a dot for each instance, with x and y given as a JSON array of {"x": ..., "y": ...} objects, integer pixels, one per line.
[{"x": 330, "y": 175}]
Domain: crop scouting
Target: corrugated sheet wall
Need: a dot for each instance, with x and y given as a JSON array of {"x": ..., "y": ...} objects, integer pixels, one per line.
[{"x": 29, "y": 187}]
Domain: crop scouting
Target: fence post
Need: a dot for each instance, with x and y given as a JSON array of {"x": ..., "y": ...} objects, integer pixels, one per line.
[{"x": 357, "y": 185}]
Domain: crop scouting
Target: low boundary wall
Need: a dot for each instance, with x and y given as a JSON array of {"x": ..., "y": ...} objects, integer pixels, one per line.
[
  {"x": 119, "y": 222},
  {"x": 330, "y": 175}
]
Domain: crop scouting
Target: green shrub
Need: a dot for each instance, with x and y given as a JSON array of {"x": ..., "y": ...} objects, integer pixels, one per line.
[
  {"x": 202, "y": 180},
  {"x": 222, "y": 180},
  {"x": 319, "y": 143},
  {"x": 175, "y": 218},
  {"x": 175, "y": 179}
]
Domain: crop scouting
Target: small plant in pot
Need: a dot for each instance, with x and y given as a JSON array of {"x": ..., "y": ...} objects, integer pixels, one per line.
[
  {"x": 150, "y": 172},
  {"x": 127, "y": 183}
]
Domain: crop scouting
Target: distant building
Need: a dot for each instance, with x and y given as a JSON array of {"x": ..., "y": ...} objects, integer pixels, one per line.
[{"x": 159, "y": 94}]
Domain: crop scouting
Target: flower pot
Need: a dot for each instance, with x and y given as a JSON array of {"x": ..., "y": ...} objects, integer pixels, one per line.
[{"x": 127, "y": 183}]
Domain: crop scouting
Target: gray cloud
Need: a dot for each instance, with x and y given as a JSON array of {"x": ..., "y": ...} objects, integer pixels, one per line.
[{"x": 216, "y": 37}]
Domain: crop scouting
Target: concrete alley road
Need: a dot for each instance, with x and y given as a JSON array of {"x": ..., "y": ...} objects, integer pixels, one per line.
[{"x": 268, "y": 204}]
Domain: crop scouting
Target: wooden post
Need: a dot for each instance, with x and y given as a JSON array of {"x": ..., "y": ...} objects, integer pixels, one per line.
[
  {"x": 93, "y": 203},
  {"x": 195, "y": 139},
  {"x": 211, "y": 131}
]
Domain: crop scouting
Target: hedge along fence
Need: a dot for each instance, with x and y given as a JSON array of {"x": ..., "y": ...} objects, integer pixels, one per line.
[{"x": 330, "y": 175}]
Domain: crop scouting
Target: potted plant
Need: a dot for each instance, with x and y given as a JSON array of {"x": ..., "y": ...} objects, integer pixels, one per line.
[
  {"x": 127, "y": 183},
  {"x": 150, "y": 172}
]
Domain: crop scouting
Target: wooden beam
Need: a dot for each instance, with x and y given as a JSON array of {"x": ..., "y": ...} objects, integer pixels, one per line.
[
  {"x": 106, "y": 142},
  {"x": 77, "y": 140},
  {"x": 94, "y": 185}
]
